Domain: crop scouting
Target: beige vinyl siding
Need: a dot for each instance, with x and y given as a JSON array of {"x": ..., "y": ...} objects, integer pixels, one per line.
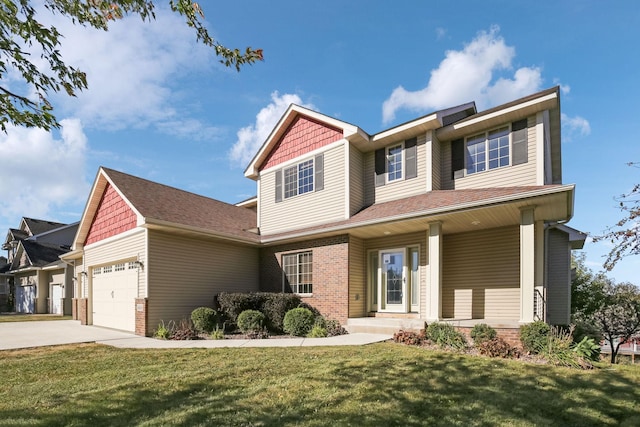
[
  {"x": 397, "y": 189},
  {"x": 436, "y": 161},
  {"x": 357, "y": 281},
  {"x": 508, "y": 176},
  {"x": 186, "y": 273},
  {"x": 558, "y": 293},
  {"x": 356, "y": 180},
  {"x": 307, "y": 209},
  {"x": 130, "y": 247},
  {"x": 57, "y": 277},
  {"x": 481, "y": 274},
  {"x": 402, "y": 241}
]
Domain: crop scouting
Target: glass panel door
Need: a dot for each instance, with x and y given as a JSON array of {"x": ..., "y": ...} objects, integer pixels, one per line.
[
  {"x": 414, "y": 279},
  {"x": 393, "y": 280}
]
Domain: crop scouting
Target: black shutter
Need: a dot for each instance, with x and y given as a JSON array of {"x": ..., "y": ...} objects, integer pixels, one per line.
[
  {"x": 319, "y": 172},
  {"x": 411, "y": 158},
  {"x": 381, "y": 166},
  {"x": 278, "y": 186},
  {"x": 520, "y": 143},
  {"x": 457, "y": 158}
]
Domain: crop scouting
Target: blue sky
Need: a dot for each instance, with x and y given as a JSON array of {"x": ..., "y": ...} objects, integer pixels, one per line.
[{"x": 161, "y": 107}]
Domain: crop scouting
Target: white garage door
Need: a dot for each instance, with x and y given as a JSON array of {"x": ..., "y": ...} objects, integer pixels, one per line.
[
  {"x": 56, "y": 299},
  {"x": 25, "y": 299},
  {"x": 115, "y": 288}
]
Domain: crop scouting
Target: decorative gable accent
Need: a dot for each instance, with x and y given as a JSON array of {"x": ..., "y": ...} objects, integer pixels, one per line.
[
  {"x": 303, "y": 136},
  {"x": 114, "y": 216}
]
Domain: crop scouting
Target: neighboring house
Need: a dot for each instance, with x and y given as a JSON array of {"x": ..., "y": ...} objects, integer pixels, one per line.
[
  {"x": 5, "y": 283},
  {"x": 458, "y": 216},
  {"x": 42, "y": 282}
]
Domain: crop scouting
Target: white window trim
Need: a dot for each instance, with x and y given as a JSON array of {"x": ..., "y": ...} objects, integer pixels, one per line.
[
  {"x": 402, "y": 164},
  {"x": 284, "y": 273},
  {"x": 297, "y": 172}
]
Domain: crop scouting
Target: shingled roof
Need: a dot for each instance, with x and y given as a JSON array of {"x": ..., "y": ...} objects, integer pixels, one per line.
[
  {"x": 41, "y": 254},
  {"x": 159, "y": 203},
  {"x": 38, "y": 226}
]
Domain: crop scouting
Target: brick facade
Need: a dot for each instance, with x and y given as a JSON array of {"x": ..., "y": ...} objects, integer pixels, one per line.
[
  {"x": 114, "y": 216},
  {"x": 303, "y": 136},
  {"x": 141, "y": 317},
  {"x": 82, "y": 310},
  {"x": 330, "y": 273},
  {"x": 510, "y": 335}
]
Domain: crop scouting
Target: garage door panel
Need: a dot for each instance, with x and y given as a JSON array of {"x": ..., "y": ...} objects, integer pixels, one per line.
[{"x": 114, "y": 295}]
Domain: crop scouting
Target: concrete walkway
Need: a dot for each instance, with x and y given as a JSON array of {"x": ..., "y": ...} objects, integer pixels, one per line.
[{"x": 15, "y": 335}]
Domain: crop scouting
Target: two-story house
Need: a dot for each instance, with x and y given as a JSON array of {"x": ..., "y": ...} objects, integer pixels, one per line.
[{"x": 458, "y": 215}]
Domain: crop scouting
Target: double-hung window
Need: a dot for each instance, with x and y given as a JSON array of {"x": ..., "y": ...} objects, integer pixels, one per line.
[
  {"x": 298, "y": 272},
  {"x": 298, "y": 179},
  {"x": 394, "y": 163},
  {"x": 488, "y": 151},
  {"x": 303, "y": 177}
]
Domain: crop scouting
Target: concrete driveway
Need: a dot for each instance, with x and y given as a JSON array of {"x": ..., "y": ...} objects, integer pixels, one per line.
[
  {"x": 56, "y": 332},
  {"x": 14, "y": 335}
]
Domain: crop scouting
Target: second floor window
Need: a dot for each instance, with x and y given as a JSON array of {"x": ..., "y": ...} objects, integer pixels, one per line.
[
  {"x": 488, "y": 151},
  {"x": 298, "y": 179},
  {"x": 394, "y": 163}
]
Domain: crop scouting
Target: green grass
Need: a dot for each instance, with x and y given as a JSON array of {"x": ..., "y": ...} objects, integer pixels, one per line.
[
  {"x": 19, "y": 317},
  {"x": 378, "y": 385}
]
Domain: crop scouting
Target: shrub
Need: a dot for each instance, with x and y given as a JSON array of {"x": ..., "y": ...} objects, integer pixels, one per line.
[
  {"x": 445, "y": 335},
  {"x": 560, "y": 350},
  {"x": 163, "y": 331},
  {"x": 217, "y": 334},
  {"x": 317, "y": 332},
  {"x": 204, "y": 319},
  {"x": 258, "y": 334},
  {"x": 481, "y": 333},
  {"x": 298, "y": 321},
  {"x": 334, "y": 328},
  {"x": 273, "y": 305},
  {"x": 409, "y": 337},
  {"x": 588, "y": 349},
  {"x": 184, "y": 330},
  {"x": 250, "y": 321},
  {"x": 497, "y": 347},
  {"x": 534, "y": 336}
]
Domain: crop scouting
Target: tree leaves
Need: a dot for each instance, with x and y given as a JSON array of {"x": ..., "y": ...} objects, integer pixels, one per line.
[{"x": 21, "y": 34}]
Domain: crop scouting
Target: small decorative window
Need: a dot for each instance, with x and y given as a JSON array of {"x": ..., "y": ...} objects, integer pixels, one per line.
[
  {"x": 97, "y": 271},
  {"x": 298, "y": 272},
  {"x": 107, "y": 269},
  {"x": 132, "y": 265},
  {"x": 119, "y": 267}
]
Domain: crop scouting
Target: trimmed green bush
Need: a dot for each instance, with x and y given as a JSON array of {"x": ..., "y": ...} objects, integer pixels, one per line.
[
  {"x": 273, "y": 305},
  {"x": 534, "y": 336},
  {"x": 445, "y": 335},
  {"x": 205, "y": 319},
  {"x": 298, "y": 321},
  {"x": 481, "y": 333},
  {"x": 317, "y": 332},
  {"x": 250, "y": 321}
]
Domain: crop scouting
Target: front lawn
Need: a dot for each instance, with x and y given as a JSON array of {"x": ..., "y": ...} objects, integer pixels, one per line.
[
  {"x": 20, "y": 317},
  {"x": 376, "y": 385}
]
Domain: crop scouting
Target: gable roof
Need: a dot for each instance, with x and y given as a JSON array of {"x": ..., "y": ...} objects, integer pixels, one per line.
[
  {"x": 37, "y": 226},
  {"x": 161, "y": 206},
  {"x": 38, "y": 254}
]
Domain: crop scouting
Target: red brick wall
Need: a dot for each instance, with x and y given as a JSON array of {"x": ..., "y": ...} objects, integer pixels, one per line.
[
  {"x": 113, "y": 217},
  {"x": 303, "y": 136},
  {"x": 82, "y": 310},
  {"x": 141, "y": 317},
  {"x": 510, "y": 335},
  {"x": 330, "y": 273}
]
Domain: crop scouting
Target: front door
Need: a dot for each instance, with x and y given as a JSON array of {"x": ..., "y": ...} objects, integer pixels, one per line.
[{"x": 393, "y": 280}]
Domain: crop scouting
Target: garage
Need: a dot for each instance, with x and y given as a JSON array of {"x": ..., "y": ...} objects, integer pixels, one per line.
[
  {"x": 115, "y": 289},
  {"x": 25, "y": 299}
]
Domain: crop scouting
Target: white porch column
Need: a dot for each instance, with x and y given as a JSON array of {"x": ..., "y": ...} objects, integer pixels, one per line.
[
  {"x": 527, "y": 263},
  {"x": 434, "y": 281}
]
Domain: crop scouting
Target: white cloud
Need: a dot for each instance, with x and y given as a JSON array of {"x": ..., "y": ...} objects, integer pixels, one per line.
[
  {"x": 440, "y": 33},
  {"x": 574, "y": 127},
  {"x": 133, "y": 72},
  {"x": 251, "y": 138},
  {"x": 40, "y": 172},
  {"x": 470, "y": 74}
]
